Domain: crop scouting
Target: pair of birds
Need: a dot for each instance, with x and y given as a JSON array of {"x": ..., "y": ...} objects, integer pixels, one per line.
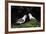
[{"x": 22, "y": 20}]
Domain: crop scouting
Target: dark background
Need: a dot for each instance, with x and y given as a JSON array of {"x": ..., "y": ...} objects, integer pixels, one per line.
[{"x": 19, "y": 11}]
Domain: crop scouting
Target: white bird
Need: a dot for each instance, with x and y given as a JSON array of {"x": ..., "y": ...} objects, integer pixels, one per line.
[
  {"x": 30, "y": 16},
  {"x": 22, "y": 20}
]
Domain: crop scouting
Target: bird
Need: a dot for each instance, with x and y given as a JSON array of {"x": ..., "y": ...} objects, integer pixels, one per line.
[
  {"x": 21, "y": 20},
  {"x": 30, "y": 16}
]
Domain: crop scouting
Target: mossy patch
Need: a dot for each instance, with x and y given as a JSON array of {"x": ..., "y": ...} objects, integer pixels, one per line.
[{"x": 31, "y": 23}]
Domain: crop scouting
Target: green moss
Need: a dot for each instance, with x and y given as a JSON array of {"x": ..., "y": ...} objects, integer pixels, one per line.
[{"x": 31, "y": 23}]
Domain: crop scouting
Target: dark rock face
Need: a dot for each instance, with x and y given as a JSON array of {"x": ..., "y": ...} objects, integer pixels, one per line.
[{"x": 19, "y": 11}]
